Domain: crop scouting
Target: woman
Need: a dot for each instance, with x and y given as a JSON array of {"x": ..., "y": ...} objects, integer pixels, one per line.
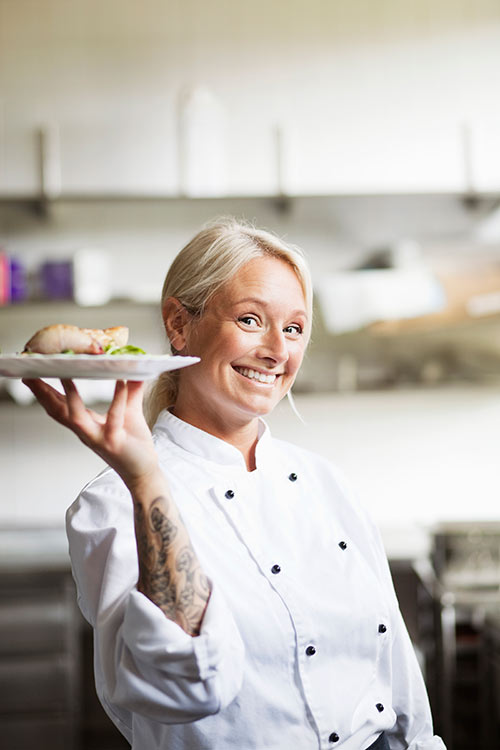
[{"x": 239, "y": 596}]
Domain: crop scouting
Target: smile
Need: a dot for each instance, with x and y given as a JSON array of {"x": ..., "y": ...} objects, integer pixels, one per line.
[{"x": 254, "y": 375}]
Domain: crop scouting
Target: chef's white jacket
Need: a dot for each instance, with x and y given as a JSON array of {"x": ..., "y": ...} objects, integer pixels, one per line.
[{"x": 302, "y": 646}]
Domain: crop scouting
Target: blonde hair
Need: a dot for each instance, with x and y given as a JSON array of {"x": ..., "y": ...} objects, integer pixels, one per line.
[{"x": 203, "y": 266}]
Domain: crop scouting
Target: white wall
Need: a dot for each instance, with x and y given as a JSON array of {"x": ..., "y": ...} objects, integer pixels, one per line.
[
  {"x": 415, "y": 457},
  {"x": 42, "y": 467},
  {"x": 372, "y": 95}
]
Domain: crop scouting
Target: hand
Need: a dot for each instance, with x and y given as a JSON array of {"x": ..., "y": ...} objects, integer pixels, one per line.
[{"x": 121, "y": 437}]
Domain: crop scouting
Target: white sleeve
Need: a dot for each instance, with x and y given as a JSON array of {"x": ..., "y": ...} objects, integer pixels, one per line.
[
  {"x": 413, "y": 729},
  {"x": 144, "y": 662}
]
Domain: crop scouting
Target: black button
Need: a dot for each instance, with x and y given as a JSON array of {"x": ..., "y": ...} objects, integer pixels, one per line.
[
  {"x": 275, "y": 569},
  {"x": 333, "y": 737},
  {"x": 379, "y": 707},
  {"x": 382, "y": 628},
  {"x": 342, "y": 545},
  {"x": 310, "y": 650},
  {"x": 230, "y": 494},
  {"x": 292, "y": 477}
]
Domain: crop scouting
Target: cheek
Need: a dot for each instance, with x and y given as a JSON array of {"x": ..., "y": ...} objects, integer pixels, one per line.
[
  {"x": 227, "y": 350},
  {"x": 237, "y": 344},
  {"x": 296, "y": 357}
]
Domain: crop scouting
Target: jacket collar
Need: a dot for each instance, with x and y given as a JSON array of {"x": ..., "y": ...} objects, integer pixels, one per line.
[{"x": 207, "y": 446}]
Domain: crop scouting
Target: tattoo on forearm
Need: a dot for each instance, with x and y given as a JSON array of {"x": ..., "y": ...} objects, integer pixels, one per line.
[{"x": 169, "y": 571}]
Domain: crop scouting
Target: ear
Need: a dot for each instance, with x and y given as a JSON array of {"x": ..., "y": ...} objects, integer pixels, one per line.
[{"x": 176, "y": 320}]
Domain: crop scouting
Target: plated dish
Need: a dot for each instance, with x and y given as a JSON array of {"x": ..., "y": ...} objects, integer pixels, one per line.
[{"x": 90, "y": 366}]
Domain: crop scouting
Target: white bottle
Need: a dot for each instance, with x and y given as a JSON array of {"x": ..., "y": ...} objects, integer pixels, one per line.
[{"x": 202, "y": 156}]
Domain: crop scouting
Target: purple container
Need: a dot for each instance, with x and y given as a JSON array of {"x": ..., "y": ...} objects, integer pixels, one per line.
[
  {"x": 56, "y": 279},
  {"x": 18, "y": 281}
]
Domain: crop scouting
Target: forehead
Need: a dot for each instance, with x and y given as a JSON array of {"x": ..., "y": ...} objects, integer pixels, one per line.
[{"x": 265, "y": 277}]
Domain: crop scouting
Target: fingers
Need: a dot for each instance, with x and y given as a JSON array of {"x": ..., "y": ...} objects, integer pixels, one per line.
[
  {"x": 82, "y": 421},
  {"x": 52, "y": 401},
  {"x": 135, "y": 393},
  {"x": 127, "y": 399},
  {"x": 70, "y": 411},
  {"x": 116, "y": 412},
  {"x": 77, "y": 411},
  {"x": 75, "y": 403}
]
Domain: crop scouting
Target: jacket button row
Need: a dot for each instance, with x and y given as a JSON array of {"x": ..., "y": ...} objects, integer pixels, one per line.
[
  {"x": 230, "y": 494},
  {"x": 275, "y": 569},
  {"x": 310, "y": 651},
  {"x": 333, "y": 737}
]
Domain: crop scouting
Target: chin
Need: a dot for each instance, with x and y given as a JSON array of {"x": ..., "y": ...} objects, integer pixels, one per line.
[{"x": 261, "y": 410}]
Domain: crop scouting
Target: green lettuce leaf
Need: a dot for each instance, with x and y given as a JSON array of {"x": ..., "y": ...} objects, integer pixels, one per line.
[{"x": 129, "y": 349}]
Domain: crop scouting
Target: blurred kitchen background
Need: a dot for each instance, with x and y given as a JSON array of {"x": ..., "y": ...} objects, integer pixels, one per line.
[{"x": 368, "y": 133}]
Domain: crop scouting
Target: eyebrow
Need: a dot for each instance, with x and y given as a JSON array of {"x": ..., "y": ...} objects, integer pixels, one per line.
[{"x": 263, "y": 302}]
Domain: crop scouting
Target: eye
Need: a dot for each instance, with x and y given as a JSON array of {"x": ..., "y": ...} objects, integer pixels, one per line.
[
  {"x": 248, "y": 320},
  {"x": 294, "y": 329}
]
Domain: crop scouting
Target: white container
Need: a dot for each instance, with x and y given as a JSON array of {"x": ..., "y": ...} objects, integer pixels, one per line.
[
  {"x": 202, "y": 155},
  {"x": 91, "y": 277}
]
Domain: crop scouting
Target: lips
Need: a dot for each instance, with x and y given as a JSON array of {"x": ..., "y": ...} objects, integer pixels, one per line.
[{"x": 260, "y": 377}]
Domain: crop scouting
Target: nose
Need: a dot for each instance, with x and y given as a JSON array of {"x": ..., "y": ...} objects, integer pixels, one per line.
[{"x": 273, "y": 346}]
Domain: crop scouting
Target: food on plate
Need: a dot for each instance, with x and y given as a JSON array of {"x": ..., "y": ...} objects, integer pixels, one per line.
[{"x": 62, "y": 339}]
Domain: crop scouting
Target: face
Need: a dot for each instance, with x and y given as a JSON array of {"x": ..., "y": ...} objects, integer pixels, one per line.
[{"x": 251, "y": 341}]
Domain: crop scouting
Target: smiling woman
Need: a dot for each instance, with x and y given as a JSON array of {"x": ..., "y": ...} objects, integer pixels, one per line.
[
  {"x": 240, "y": 596},
  {"x": 251, "y": 348},
  {"x": 207, "y": 267}
]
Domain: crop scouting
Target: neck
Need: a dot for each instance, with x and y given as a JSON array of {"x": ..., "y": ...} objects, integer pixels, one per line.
[{"x": 243, "y": 436}]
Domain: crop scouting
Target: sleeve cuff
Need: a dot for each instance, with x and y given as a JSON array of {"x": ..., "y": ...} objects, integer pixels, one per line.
[
  {"x": 151, "y": 637},
  {"x": 433, "y": 743}
]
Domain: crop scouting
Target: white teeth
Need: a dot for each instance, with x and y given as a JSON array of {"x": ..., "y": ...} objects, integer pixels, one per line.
[{"x": 254, "y": 375}]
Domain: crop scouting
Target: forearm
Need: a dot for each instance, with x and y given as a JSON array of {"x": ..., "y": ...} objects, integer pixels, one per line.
[{"x": 169, "y": 571}]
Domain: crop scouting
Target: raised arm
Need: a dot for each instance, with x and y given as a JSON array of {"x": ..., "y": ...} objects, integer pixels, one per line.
[{"x": 169, "y": 572}]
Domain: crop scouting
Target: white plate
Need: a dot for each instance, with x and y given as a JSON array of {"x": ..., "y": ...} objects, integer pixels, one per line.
[{"x": 91, "y": 366}]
